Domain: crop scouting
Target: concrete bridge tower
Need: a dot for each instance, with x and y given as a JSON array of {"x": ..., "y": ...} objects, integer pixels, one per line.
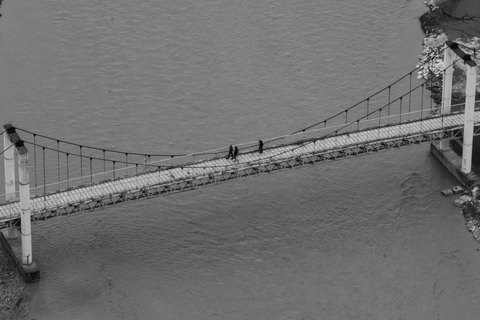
[{"x": 20, "y": 248}]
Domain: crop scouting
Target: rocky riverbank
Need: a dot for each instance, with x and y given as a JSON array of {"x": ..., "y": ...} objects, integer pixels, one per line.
[
  {"x": 456, "y": 20},
  {"x": 471, "y": 213},
  {"x": 14, "y": 303}
]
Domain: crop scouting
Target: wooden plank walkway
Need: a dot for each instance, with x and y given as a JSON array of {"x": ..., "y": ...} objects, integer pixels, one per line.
[{"x": 211, "y": 171}]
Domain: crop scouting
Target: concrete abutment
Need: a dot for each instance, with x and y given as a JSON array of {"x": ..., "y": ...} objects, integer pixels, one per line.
[
  {"x": 453, "y": 163},
  {"x": 10, "y": 239}
]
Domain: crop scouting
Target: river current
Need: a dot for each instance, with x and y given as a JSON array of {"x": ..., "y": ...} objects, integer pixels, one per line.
[{"x": 362, "y": 238}]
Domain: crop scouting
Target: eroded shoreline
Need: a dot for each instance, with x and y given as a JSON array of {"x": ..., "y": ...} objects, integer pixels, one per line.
[
  {"x": 14, "y": 303},
  {"x": 459, "y": 21}
]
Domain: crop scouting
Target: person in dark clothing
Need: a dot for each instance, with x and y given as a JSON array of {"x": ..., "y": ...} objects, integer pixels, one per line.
[
  {"x": 230, "y": 152},
  {"x": 260, "y": 146},
  {"x": 235, "y": 153}
]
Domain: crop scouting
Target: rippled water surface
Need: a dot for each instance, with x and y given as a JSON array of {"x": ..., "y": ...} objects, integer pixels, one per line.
[{"x": 363, "y": 238}]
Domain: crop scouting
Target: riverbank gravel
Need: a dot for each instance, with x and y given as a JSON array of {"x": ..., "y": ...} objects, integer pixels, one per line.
[{"x": 13, "y": 305}]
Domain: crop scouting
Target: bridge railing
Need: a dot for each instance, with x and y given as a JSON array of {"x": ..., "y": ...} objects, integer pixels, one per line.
[
  {"x": 404, "y": 95},
  {"x": 200, "y": 159},
  {"x": 58, "y": 164},
  {"x": 62, "y": 165}
]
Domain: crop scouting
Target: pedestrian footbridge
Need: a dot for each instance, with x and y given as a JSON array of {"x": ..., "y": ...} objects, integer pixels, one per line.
[
  {"x": 47, "y": 177},
  {"x": 187, "y": 173}
]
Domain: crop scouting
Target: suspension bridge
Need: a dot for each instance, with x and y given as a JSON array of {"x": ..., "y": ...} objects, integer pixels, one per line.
[{"x": 57, "y": 177}]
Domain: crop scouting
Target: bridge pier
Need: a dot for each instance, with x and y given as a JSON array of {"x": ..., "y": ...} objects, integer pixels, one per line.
[
  {"x": 469, "y": 116},
  {"x": 447, "y": 89},
  {"x": 19, "y": 249},
  {"x": 24, "y": 186},
  {"x": 453, "y": 163},
  {"x": 470, "y": 92},
  {"x": 9, "y": 161}
]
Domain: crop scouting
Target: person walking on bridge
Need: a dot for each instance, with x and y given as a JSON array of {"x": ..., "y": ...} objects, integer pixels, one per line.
[
  {"x": 260, "y": 146},
  {"x": 235, "y": 153},
  {"x": 230, "y": 152}
]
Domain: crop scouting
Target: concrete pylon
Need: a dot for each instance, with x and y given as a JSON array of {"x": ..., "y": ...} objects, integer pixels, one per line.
[
  {"x": 447, "y": 89},
  {"x": 470, "y": 92},
  {"x": 469, "y": 118},
  {"x": 24, "y": 182},
  {"x": 9, "y": 163},
  {"x": 21, "y": 249}
]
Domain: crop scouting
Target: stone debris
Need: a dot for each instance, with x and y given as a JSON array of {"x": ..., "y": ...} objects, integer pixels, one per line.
[
  {"x": 457, "y": 189},
  {"x": 460, "y": 202},
  {"x": 12, "y": 305},
  {"x": 475, "y": 192},
  {"x": 447, "y": 192},
  {"x": 471, "y": 213},
  {"x": 474, "y": 228},
  {"x": 454, "y": 190}
]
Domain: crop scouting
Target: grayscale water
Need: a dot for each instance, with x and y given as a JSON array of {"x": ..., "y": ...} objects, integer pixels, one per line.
[{"x": 363, "y": 238}]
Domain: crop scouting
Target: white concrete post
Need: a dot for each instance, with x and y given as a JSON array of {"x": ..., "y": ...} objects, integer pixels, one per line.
[
  {"x": 447, "y": 89},
  {"x": 24, "y": 181},
  {"x": 9, "y": 163},
  {"x": 469, "y": 118}
]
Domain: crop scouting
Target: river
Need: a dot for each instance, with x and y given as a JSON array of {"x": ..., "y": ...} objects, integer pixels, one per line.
[{"x": 362, "y": 238}]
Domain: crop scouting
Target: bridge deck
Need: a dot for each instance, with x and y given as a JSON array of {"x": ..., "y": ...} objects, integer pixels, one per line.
[{"x": 217, "y": 170}]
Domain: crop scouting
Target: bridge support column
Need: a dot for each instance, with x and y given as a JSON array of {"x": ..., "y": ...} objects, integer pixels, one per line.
[
  {"x": 20, "y": 248},
  {"x": 447, "y": 89},
  {"x": 469, "y": 101},
  {"x": 24, "y": 182},
  {"x": 469, "y": 117},
  {"x": 9, "y": 163}
]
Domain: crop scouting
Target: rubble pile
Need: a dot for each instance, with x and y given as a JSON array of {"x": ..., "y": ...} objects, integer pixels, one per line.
[
  {"x": 469, "y": 201},
  {"x": 12, "y": 305},
  {"x": 471, "y": 212}
]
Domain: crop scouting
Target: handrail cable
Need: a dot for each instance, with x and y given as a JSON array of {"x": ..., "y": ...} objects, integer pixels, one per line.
[{"x": 265, "y": 140}]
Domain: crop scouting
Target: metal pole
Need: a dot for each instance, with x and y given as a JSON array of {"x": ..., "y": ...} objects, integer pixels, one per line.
[
  {"x": 401, "y": 109},
  {"x": 410, "y": 97},
  {"x": 35, "y": 158},
  {"x": 81, "y": 162},
  {"x": 469, "y": 118},
  {"x": 421, "y": 104},
  {"x": 91, "y": 172},
  {"x": 24, "y": 182},
  {"x": 44, "y": 174},
  {"x": 368, "y": 105},
  {"x": 389, "y": 98},
  {"x": 68, "y": 174},
  {"x": 447, "y": 89},
  {"x": 9, "y": 163},
  {"x": 58, "y": 159}
]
